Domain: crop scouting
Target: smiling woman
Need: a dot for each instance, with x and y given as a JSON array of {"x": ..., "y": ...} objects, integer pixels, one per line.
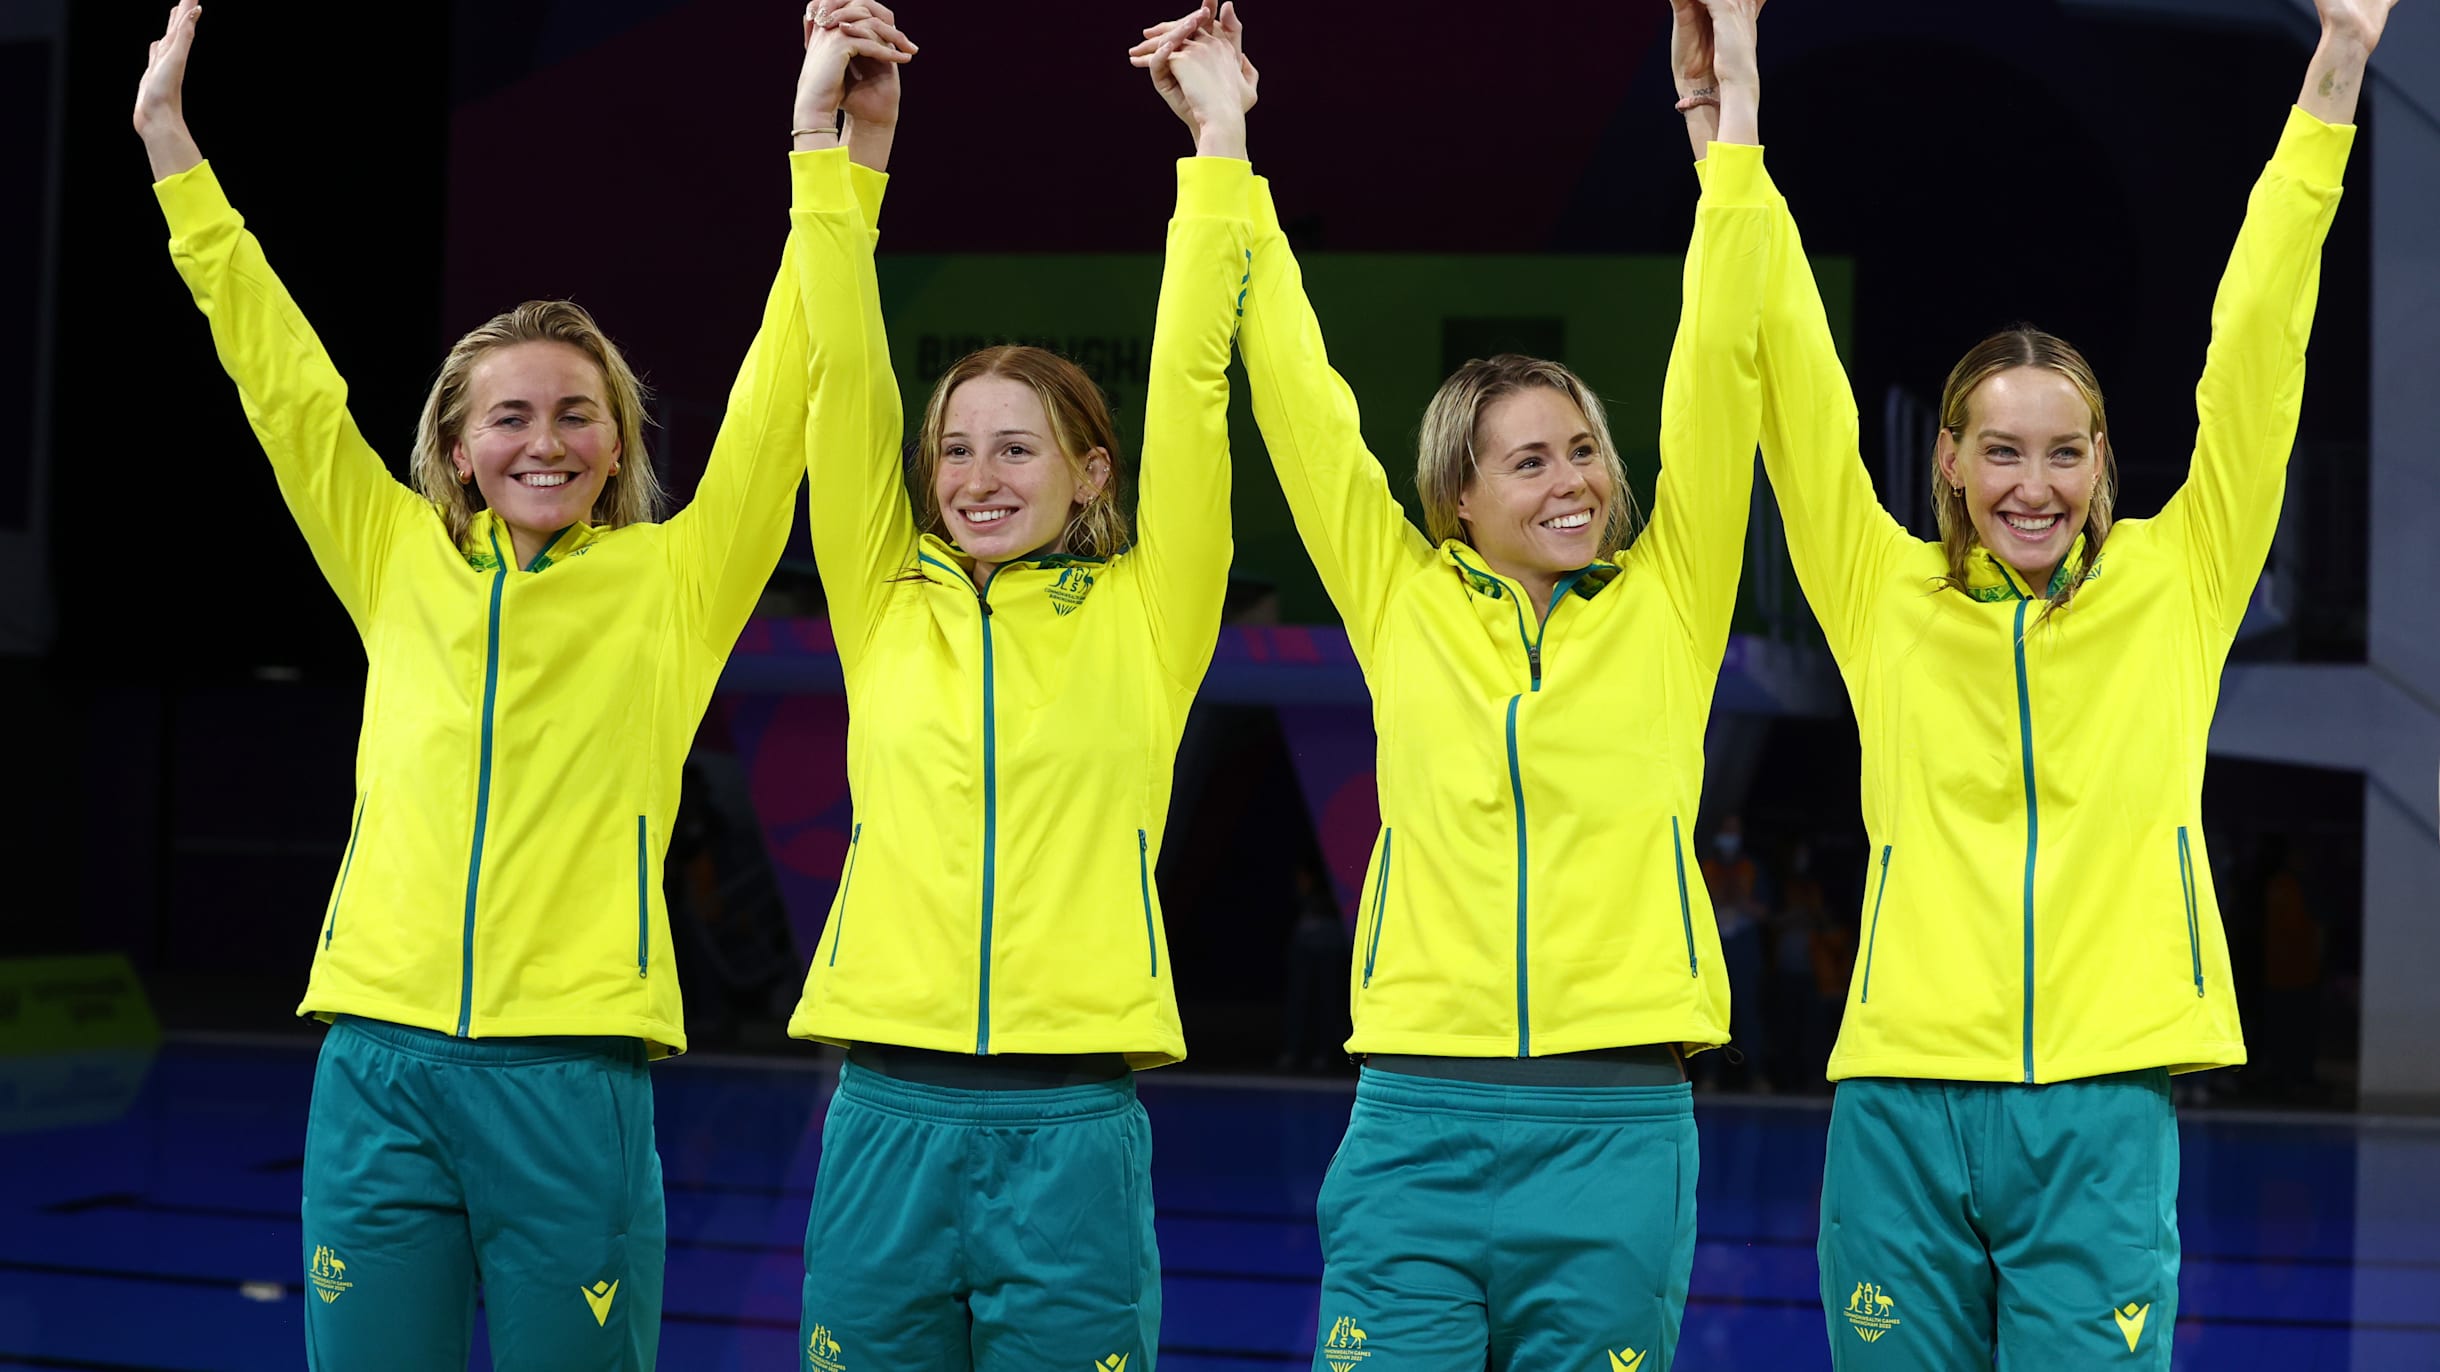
[
  {"x": 1018, "y": 455},
  {"x": 2041, "y": 944},
  {"x": 537, "y": 416},
  {"x": 2024, "y": 462},
  {"x": 1533, "y": 964},
  {"x": 1019, "y": 667},
  {"x": 494, "y": 958}
]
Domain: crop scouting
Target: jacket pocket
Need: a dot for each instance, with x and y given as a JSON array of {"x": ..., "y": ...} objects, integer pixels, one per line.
[
  {"x": 347, "y": 864},
  {"x": 1372, "y": 946},
  {"x": 847, "y": 883},
  {"x": 1677, "y": 850},
  {"x": 2185, "y": 881},
  {"x": 643, "y": 899},
  {"x": 1143, "y": 878},
  {"x": 1873, "y": 936}
]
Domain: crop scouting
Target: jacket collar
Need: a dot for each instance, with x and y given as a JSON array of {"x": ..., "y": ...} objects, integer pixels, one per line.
[
  {"x": 937, "y": 559},
  {"x": 1586, "y": 581},
  {"x": 1989, "y": 579},
  {"x": 488, "y": 543}
]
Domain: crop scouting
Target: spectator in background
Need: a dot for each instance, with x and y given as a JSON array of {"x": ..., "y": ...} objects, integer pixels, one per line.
[
  {"x": 1735, "y": 881},
  {"x": 1316, "y": 1018},
  {"x": 1811, "y": 955},
  {"x": 2291, "y": 974}
]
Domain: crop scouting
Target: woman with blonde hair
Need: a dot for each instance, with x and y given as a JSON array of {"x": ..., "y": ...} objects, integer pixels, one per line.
[
  {"x": 1516, "y": 1187},
  {"x": 1019, "y": 658},
  {"x": 494, "y": 959},
  {"x": 2041, "y": 949}
]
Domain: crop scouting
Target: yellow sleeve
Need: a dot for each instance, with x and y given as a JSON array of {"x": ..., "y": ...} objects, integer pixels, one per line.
[
  {"x": 1840, "y": 540},
  {"x": 337, "y": 488},
  {"x": 1182, "y": 539},
  {"x": 2253, "y": 376},
  {"x": 729, "y": 537},
  {"x": 863, "y": 523},
  {"x": 1711, "y": 402},
  {"x": 1358, "y": 536}
]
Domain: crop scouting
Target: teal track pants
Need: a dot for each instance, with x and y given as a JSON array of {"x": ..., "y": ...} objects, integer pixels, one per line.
[
  {"x": 432, "y": 1162},
  {"x": 1967, "y": 1221},
  {"x": 958, "y": 1230},
  {"x": 1468, "y": 1226}
]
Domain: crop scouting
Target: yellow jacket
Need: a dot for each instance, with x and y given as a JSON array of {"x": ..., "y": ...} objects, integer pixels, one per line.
[
  {"x": 523, "y": 727},
  {"x": 2040, "y": 907},
  {"x": 1531, "y": 891},
  {"x": 1010, "y": 747}
]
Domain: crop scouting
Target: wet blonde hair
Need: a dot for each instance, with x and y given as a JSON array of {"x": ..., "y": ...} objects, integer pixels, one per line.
[
  {"x": 633, "y": 493},
  {"x": 1444, "y": 456},
  {"x": 1080, "y": 422},
  {"x": 2022, "y": 346}
]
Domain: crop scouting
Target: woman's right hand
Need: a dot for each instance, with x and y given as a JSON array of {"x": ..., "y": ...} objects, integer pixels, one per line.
[
  {"x": 1736, "y": 72},
  {"x": 2350, "y": 30},
  {"x": 1199, "y": 66},
  {"x": 858, "y": 33},
  {"x": 1690, "y": 70},
  {"x": 160, "y": 114}
]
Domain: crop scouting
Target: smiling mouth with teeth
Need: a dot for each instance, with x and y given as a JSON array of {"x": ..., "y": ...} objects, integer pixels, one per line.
[
  {"x": 1569, "y": 523},
  {"x": 984, "y": 516},
  {"x": 543, "y": 480},
  {"x": 2032, "y": 524}
]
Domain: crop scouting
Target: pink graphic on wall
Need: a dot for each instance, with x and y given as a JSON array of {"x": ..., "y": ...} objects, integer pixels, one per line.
[{"x": 1332, "y": 746}]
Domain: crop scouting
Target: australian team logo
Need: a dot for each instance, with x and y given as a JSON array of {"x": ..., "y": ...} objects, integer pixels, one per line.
[
  {"x": 822, "y": 1350},
  {"x": 329, "y": 1275},
  {"x": 1868, "y": 1310},
  {"x": 1070, "y": 589},
  {"x": 1627, "y": 1360},
  {"x": 1345, "y": 1346}
]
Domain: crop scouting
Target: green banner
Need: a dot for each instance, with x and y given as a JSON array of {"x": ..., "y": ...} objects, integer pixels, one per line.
[{"x": 57, "y": 1005}]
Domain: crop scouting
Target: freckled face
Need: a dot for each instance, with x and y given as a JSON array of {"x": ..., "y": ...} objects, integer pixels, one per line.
[
  {"x": 1004, "y": 488},
  {"x": 540, "y": 440}
]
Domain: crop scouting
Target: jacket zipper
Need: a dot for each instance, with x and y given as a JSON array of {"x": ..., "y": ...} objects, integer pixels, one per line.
[
  {"x": 991, "y": 800},
  {"x": 1677, "y": 850},
  {"x": 2033, "y": 808},
  {"x": 1875, "y": 935},
  {"x": 643, "y": 904},
  {"x": 1380, "y": 904},
  {"x": 346, "y": 864},
  {"x": 1143, "y": 876},
  {"x": 2194, "y": 933},
  {"x": 1516, "y": 789},
  {"x": 482, "y": 786},
  {"x": 855, "y": 838}
]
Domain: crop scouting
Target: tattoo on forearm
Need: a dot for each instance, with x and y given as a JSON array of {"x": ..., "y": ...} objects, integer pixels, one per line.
[
  {"x": 1704, "y": 92},
  {"x": 2331, "y": 85}
]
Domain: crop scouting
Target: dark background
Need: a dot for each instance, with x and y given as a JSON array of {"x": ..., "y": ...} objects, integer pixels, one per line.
[{"x": 179, "y": 761}]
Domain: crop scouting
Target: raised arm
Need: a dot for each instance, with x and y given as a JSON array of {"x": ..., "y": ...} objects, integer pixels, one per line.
[
  {"x": 1358, "y": 536},
  {"x": 1711, "y": 402},
  {"x": 1182, "y": 540},
  {"x": 341, "y": 494},
  {"x": 1839, "y": 537},
  {"x": 730, "y": 535},
  {"x": 2252, "y": 387},
  {"x": 863, "y": 523}
]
